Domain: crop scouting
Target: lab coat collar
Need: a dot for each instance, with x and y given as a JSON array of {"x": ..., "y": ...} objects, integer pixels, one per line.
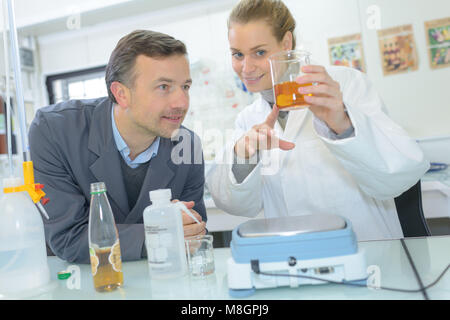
[
  {"x": 294, "y": 124},
  {"x": 263, "y": 107}
]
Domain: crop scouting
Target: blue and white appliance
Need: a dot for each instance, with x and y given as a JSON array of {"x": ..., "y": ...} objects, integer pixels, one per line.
[{"x": 293, "y": 251}]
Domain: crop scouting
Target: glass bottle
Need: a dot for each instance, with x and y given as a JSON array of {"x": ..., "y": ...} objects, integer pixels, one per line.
[{"x": 104, "y": 245}]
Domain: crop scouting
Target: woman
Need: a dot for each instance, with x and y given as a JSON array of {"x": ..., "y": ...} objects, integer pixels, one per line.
[{"x": 341, "y": 155}]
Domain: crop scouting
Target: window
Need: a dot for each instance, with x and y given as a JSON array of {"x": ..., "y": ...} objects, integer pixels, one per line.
[{"x": 83, "y": 84}]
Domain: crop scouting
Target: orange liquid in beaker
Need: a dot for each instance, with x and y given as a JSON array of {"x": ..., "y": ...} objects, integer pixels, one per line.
[{"x": 287, "y": 95}]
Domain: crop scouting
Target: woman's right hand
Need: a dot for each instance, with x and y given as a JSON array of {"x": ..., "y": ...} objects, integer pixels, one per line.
[{"x": 261, "y": 137}]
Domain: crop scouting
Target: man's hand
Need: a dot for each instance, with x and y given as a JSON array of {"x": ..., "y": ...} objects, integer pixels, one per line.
[
  {"x": 327, "y": 101},
  {"x": 190, "y": 227},
  {"x": 261, "y": 137}
]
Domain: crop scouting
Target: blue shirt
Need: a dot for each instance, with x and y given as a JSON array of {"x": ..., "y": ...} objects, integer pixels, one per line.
[{"x": 143, "y": 157}]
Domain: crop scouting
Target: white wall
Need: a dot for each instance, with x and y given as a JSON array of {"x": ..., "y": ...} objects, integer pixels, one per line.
[
  {"x": 418, "y": 101},
  {"x": 30, "y": 12},
  {"x": 319, "y": 20},
  {"x": 198, "y": 26}
]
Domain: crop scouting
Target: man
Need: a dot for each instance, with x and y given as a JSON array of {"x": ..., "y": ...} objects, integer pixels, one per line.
[{"x": 123, "y": 140}]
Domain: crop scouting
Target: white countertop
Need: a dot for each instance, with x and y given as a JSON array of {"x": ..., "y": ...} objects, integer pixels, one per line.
[{"x": 430, "y": 254}]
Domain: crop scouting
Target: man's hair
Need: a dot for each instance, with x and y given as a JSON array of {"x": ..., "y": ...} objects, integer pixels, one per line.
[
  {"x": 274, "y": 12},
  {"x": 139, "y": 42}
]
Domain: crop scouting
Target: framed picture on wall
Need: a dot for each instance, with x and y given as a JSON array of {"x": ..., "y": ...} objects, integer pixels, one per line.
[
  {"x": 438, "y": 41},
  {"x": 398, "y": 50},
  {"x": 347, "y": 51}
]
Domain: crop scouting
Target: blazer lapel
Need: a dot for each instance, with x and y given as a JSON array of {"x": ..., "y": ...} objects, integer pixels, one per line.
[
  {"x": 161, "y": 171},
  {"x": 107, "y": 167}
]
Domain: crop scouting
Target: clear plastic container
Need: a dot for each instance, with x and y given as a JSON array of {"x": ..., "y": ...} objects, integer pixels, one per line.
[
  {"x": 164, "y": 236},
  {"x": 23, "y": 254}
]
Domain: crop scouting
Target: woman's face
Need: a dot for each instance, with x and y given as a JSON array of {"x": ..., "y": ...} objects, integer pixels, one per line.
[{"x": 251, "y": 44}]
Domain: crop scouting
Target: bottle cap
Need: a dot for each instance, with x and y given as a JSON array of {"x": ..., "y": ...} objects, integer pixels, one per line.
[
  {"x": 98, "y": 187},
  {"x": 161, "y": 194},
  {"x": 63, "y": 275}
]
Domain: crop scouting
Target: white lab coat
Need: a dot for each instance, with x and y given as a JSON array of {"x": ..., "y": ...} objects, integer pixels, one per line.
[{"x": 356, "y": 177}]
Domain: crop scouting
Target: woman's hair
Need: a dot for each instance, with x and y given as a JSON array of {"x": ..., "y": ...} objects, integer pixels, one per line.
[
  {"x": 274, "y": 12},
  {"x": 139, "y": 42}
]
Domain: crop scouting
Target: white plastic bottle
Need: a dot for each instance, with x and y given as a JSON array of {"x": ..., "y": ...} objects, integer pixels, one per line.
[
  {"x": 23, "y": 255},
  {"x": 164, "y": 236}
]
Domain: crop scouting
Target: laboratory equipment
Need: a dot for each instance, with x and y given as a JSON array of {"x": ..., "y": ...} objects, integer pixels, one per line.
[
  {"x": 436, "y": 167},
  {"x": 285, "y": 67},
  {"x": 23, "y": 255},
  {"x": 164, "y": 236},
  {"x": 104, "y": 244},
  {"x": 33, "y": 189},
  {"x": 200, "y": 255},
  {"x": 293, "y": 251}
]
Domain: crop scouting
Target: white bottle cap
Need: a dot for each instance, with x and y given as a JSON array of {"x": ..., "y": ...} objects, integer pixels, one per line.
[
  {"x": 12, "y": 182},
  {"x": 161, "y": 194}
]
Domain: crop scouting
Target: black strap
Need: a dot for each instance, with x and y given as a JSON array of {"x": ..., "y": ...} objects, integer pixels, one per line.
[{"x": 413, "y": 266}]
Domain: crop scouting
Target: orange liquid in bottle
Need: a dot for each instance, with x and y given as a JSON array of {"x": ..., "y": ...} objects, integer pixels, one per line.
[
  {"x": 287, "y": 95},
  {"x": 107, "y": 269}
]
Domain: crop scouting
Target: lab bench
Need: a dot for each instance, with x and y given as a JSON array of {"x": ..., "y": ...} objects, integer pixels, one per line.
[{"x": 394, "y": 260}]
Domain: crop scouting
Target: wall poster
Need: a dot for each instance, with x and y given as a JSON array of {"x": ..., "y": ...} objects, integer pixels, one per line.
[
  {"x": 398, "y": 50},
  {"x": 438, "y": 41},
  {"x": 347, "y": 51}
]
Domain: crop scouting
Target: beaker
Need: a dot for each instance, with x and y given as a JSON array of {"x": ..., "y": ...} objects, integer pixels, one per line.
[
  {"x": 285, "y": 67},
  {"x": 200, "y": 255}
]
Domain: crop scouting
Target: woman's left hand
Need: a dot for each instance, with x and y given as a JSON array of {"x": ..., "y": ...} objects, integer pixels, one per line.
[{"x": 326, "y": 101}]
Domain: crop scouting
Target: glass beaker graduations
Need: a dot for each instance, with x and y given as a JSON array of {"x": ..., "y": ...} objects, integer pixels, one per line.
[{"x": 285, "y": 67}]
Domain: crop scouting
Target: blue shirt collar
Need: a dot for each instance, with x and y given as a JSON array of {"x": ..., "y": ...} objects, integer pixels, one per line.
[{"x": 121, "y": 145}]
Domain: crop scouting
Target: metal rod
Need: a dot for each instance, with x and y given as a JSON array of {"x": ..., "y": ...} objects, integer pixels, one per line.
[
  {"x": 8, "y": 89},
  {"x": 18, "y": 80}
]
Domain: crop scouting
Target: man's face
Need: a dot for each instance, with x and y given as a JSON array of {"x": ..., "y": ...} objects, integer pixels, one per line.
[{"x": 159, "y": 96}]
